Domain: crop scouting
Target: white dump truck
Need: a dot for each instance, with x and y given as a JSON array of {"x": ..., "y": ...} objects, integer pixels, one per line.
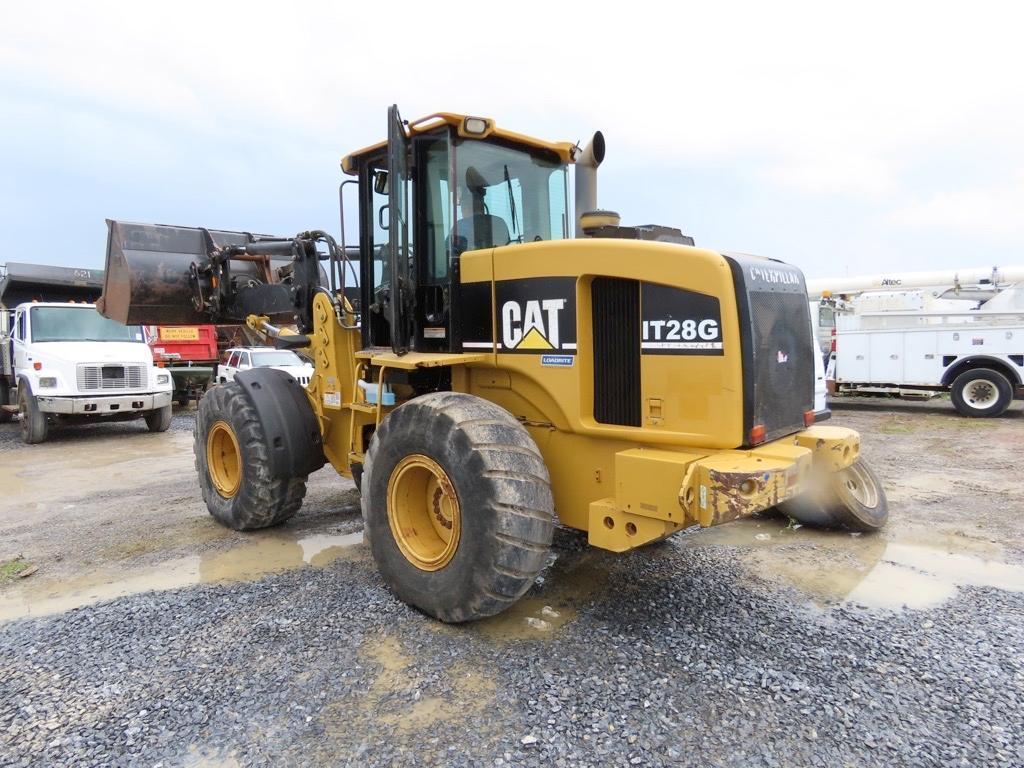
[
  {"x": 921, "y": 334},
  {"x": 62, "y": 361}
]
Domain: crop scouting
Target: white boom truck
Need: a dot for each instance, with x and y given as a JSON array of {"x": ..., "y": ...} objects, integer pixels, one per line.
[
  {"x": 920, "y": 334},
  {"x": 62, "y": 361}
]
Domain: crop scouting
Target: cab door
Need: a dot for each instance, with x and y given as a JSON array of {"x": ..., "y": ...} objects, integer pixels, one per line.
[
  {"x": 403, "y": 289},
  {"x": 19, "y": 339}
]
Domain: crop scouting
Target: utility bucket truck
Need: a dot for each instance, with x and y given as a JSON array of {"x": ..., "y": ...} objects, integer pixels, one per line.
[
  {"x": 63, "y": 362},
  {"x": 925, "y": 333},
  {"x": 502, "y": 374}
]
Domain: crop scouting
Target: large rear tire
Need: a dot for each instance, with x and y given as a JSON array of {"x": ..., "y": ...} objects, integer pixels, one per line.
[
  {"x": 852, "y": 499},
  {"x": 457, "y": 506},
  {"x": 34, "y": 425},
  {"x": 233, "y": 463},
  {"x": 159, "y": 420},
  {"x": 981, "y": 392}
]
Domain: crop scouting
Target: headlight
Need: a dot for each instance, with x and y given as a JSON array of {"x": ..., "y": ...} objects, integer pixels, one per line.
[
  {"x": 47, "y": 381},
  {"x": 163, "y": 378}
]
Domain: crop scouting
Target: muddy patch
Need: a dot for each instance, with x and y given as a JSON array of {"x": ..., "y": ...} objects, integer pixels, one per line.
[{"x": 403, "y": 699}]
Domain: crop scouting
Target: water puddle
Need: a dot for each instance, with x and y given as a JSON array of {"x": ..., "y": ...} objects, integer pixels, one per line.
[
  {"x": 260, "y": 554},
  {"x": 570, "y": 582},
  {"x": 918, "y": 569}
]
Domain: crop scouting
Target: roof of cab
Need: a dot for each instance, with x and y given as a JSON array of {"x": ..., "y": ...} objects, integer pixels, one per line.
[{"x": 564, "y": 150}]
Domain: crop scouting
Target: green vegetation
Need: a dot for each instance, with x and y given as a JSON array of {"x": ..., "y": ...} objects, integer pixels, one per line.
[{"x": 10, "y": 569}]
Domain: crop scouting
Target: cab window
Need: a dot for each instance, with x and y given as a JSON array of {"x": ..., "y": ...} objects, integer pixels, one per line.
[
  {"x": 435, "y": 203},
  {"x": 505, "y": 195}
]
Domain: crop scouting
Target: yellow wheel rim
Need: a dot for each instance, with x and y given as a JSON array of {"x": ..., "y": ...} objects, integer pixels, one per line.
[
  {"x": 423, "y": 511},
  {"x": 224, "y": 459}
]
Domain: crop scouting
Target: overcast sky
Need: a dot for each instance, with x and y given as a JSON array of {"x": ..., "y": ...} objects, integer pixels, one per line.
[{"x": 845, "y": 139}]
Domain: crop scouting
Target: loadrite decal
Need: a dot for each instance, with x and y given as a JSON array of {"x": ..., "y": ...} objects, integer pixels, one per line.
[
  {"x": 537, "y": 315},
  {"x": 679, "y": 322}
]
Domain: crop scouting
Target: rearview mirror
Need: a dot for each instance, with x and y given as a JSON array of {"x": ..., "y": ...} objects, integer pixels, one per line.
[{"x": 380, "y": 182}]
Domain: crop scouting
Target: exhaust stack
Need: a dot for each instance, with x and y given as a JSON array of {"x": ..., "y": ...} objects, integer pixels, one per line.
[{"x": 586, "y": 179}]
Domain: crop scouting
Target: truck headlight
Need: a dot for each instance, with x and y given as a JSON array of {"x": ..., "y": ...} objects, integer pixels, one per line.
[
  {"x": 47, "y": 381},
  {"x": 163, "y": 378}
]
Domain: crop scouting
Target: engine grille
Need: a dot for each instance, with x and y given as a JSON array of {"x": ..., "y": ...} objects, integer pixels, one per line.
[
  {"x": 616, "y": 324},
  {"x": 98, "y": 378},
  {"x": 783, "y": 365},
  {"x": 777, "y": 345}
]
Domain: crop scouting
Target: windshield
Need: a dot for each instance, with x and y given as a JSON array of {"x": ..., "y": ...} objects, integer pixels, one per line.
[
  {"x": 506, "y": 195},
  {"x": 275, "y": 357},
  {"x": 79, "y": 324}
]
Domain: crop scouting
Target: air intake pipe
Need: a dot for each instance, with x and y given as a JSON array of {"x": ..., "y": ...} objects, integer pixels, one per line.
[{"x": 586, "y": 179}]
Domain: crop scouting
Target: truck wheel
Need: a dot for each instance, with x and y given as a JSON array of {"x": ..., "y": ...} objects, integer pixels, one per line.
[
  {"x": 852, "y": 499},
  {"x": 233, "y": 463},
  {"x": 457, "y": 506},
  {"x": 34, "y": 426},
  {"x": 182, "y": 399},
  {"x": 159, "y": 420},
  {"x": 981, "y": 392}
]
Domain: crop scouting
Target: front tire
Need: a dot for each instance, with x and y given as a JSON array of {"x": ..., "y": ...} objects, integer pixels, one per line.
[
  {"x": 852, "y": 499},
  {"x": 159, "y": 420},
  {"x": 981, "y": 392},
  {"x": 457, "y": 506},
  {"x": 34, "y": 426},
  {"x": 233, "y": 463}
]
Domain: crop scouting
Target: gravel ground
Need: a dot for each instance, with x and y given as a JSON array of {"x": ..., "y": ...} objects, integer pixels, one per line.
[{"x": 699, "y": 651}]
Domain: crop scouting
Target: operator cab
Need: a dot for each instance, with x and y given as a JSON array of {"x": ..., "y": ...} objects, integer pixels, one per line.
[{"x": 440, "y": 187}]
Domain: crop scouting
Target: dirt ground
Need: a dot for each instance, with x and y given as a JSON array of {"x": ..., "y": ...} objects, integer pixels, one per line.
[{"x": 111, "y": 510}]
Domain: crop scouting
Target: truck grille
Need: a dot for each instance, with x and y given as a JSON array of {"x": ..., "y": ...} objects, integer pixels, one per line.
[
  {"x": 97, "y": 378},
  {"x": 616, "y": 318}
]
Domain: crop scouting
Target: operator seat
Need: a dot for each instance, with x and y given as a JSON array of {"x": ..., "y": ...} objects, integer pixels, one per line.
[{"x": 482, "y": 230}]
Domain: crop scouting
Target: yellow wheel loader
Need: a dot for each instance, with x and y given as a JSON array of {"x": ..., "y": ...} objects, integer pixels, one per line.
[{"x": 490, "y": 361}]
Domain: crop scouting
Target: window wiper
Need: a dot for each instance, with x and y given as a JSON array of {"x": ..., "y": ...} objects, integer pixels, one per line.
[{"x": 512, "y": 206}]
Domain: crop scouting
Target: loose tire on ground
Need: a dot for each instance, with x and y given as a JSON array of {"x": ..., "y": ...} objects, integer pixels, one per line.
[
  {"x": 233, "y": 463},
  {"x": 159, "y": 420},
  {"x": 34, "y": 426},
  {"x": 981, "y": 392},
  {"x": 457, "y": 506},
  {"x": 852, "y": 499}
]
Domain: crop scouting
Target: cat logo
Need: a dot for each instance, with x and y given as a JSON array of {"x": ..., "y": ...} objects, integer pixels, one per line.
[{"x": 531, "y": 325}]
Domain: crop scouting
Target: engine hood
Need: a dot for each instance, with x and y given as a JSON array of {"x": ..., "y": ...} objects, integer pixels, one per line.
[{"x": 95, "y": 351}]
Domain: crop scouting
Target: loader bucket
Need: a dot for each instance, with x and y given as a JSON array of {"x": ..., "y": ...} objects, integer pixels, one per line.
[{"x": 147, "y": 278}]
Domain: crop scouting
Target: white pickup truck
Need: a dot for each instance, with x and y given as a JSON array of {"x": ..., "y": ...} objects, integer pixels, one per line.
[
  {"x": 239, "y": 359},
  {"x": 64, "y": 361}
]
